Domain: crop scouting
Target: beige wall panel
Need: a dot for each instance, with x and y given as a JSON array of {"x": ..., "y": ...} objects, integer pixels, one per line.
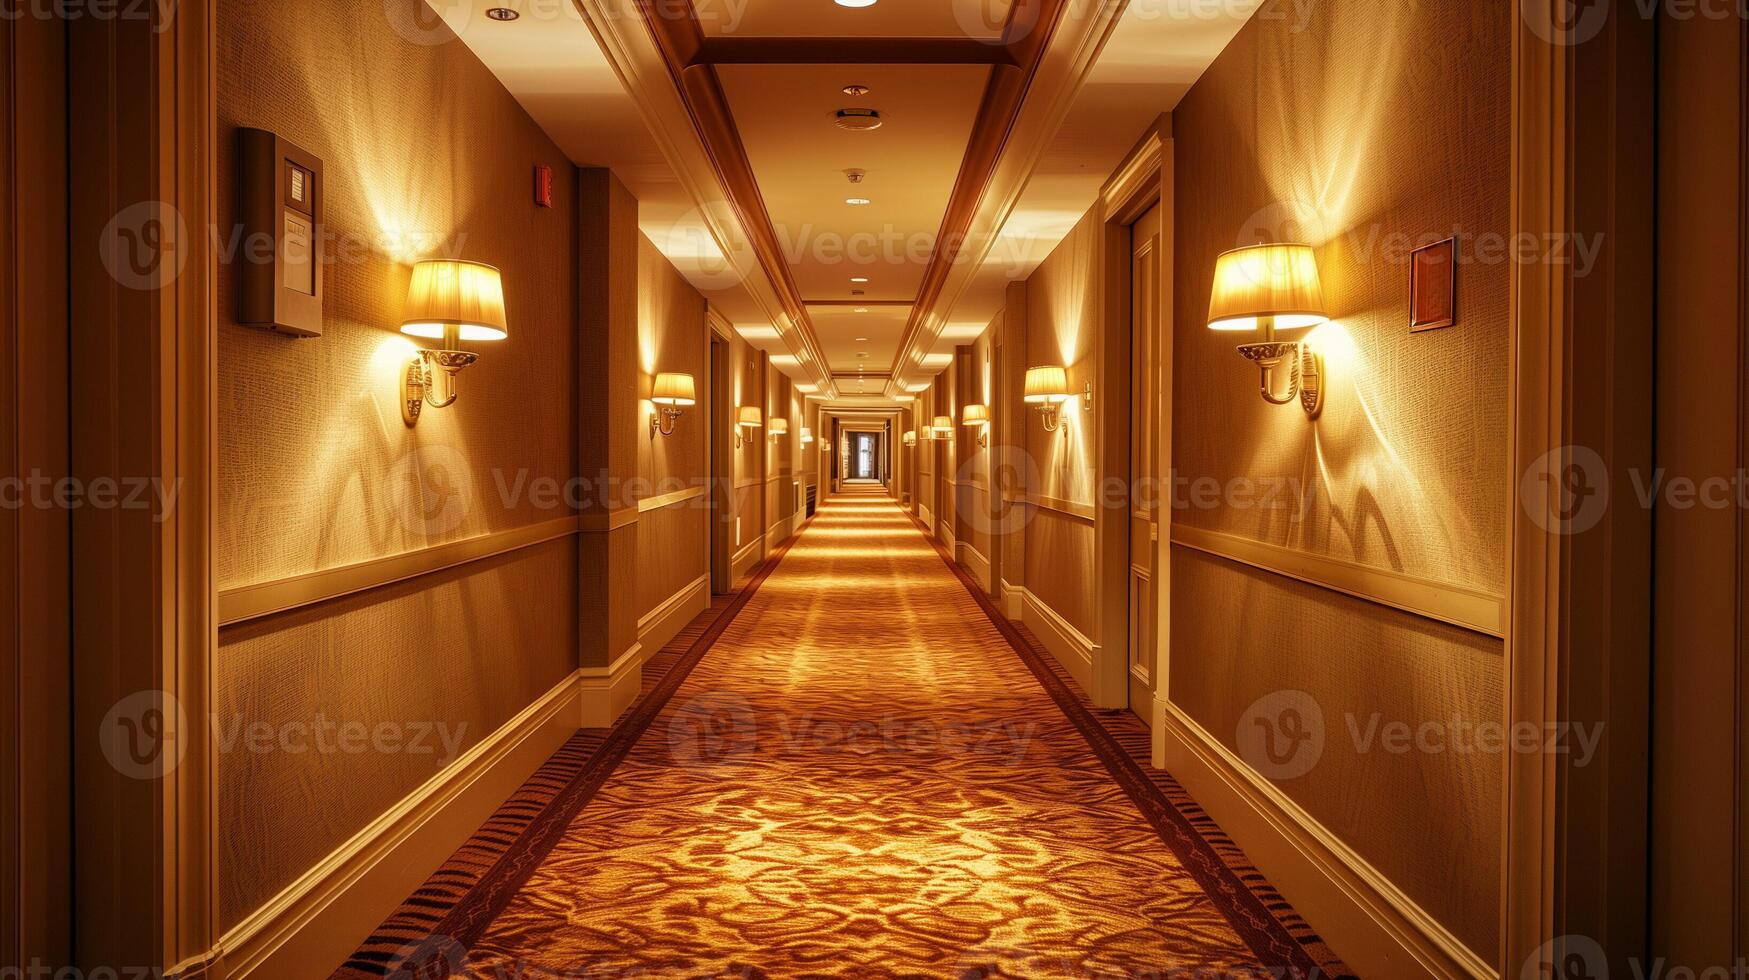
[
  {"x": 1375, "y": 128},
  {"x": 672, "y": 542},
  {"x": 671, "y": 338},
  {"x": 465, "y": 649},
  {"x": 1427, "y": 819},
  {"x": 1059, "y": 565},
  {"x": 1365, "y": 129},
  {"x": 1061, "y": 322},
  {"x": 425, "y": 155}
]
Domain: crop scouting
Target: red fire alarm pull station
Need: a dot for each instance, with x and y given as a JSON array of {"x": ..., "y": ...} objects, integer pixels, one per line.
[
  {"x": 279, "y": 257},
  {"x": 543, "y": 186}
]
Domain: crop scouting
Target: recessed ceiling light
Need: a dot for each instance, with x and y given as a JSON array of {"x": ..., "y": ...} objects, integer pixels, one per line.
[
  {"x": 857, "y": 202},
  {"x": 859, "y": 279},
  {"x": 857, "y": 120},
  {"x": 504, "y": 14},
  {"x": 861, "y": 339},
  {"x": 862, "y": 309},
  {"x": 855, "y": 3}
]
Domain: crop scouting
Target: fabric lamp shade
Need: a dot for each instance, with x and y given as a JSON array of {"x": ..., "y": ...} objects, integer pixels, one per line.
[
  {"x": 1049, "y": 383},
  {"x": 749, "y": 417},
  {"x": 974, "y": 414},
  {"x": 674, "y": 389},
  {"x": 779, "y": 426},
  {"x": 466, "y": 295},
  {"x": 1273, "y": 281}
]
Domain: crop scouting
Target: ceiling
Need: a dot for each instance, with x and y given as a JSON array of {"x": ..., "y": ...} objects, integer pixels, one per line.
[{"x": 1001, "y": 120}]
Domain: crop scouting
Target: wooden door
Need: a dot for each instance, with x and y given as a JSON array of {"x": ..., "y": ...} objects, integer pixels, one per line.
[{"x": 1145, "y": 338}]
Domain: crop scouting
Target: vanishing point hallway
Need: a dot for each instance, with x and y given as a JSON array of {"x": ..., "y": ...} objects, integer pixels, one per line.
[{"x": 860, "y": 777}]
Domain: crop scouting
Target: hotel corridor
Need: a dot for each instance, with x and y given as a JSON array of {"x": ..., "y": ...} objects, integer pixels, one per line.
[
  {"x": 860, "y": 777},
  {"x": 874, "y": 489}
]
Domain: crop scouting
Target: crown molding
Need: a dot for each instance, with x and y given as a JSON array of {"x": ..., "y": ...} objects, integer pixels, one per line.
[{"x": 1061, "y": 51}]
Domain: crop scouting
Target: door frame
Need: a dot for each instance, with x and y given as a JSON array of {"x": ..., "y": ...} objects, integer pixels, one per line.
[
  {"x": 1576, "y": 650},
  {"x": 145, "y": 606},
  {"x": 35, "y": 646},
  {"x": 1139, "y": 184},
  {"x": 720, "y": 421}
]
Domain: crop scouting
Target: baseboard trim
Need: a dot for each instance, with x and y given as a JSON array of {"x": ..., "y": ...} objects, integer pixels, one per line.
[
  {"x": 1075, "y": 651},
  {"x": 316, "y": 922},
  {"x": 976, "y": 564},
  {"x": 1372, "y": 925},
  {"x": 671, "y": 615},
  {"x": 1013, "y": 600},
  {"x": 604, "y": 693},
  {"x": 749, "y": 555}
]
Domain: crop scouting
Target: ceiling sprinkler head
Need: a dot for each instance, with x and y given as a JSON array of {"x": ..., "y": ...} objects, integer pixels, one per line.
[
  {"x": 856, "y": 90},
  {"x": 856, "y": 175}
]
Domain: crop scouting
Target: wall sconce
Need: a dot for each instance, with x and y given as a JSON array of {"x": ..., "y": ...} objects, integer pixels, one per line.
[
  {"x": 1270, "y": 288},
  {"x": 1047, "y": 388},
  {"x": 747, "y": 417},
  {"x": 978, "y": 415},
  {"x": 807, "y": 435},
  {"x": 910, "y": 438},
  {"x": 672, "y": 391},
  {"x": 942, "y": 427},
  {"x": 451, "y": 301},
  {"x": 779, "y": 429}
]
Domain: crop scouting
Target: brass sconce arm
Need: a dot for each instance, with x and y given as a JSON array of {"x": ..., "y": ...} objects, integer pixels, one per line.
[
  {"x": 430, "y": 380},
  {"x": 663, "y": 420},
  {"x": 450, "y": 301}
]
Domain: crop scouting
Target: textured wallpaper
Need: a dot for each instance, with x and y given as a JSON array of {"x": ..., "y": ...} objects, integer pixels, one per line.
[
  {"x": 366, "y": 697},
  {"x": 673, "y": 542},
  {"x": 1368, "y": 129},
  {"x": 1247, "y": 643},
  {"x": 1061, "y": 328},
  {"x": 425, "y": 155},
  {"x": 1365, "y": 129}
]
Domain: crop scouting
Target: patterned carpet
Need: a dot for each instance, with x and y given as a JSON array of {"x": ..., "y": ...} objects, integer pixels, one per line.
[{"x": 849, "y": 772}]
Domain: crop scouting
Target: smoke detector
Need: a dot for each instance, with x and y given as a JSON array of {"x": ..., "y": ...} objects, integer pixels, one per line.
[
  {"x": 857, "y": 120},
  {"x": 857, "y": 90},
  {"x": 856, "y": 175}
]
